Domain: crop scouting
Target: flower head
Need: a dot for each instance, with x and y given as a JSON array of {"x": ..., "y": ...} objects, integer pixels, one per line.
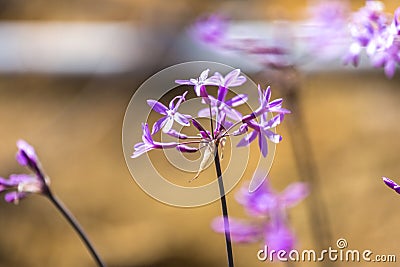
[
  {"x": 211, "y": 29},
  {"x": 19, "y": 186},
  {"x": 219, "y": 109},
  {"x": 171, "y": 114},
  {"x": 378, "y": 33},
  {"x": 26, "y": 155}
]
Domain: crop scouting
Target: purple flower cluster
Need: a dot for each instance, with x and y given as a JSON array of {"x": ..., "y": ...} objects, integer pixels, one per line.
[
  {"x": 269, "y": 222},
  {"x": 318, "y": 36},
  {"x": 19, "y": 186},
  {"x": 219, "y": 109},
  {"x": 379, "y": 33},
  {"x": 328, "y": 31}
]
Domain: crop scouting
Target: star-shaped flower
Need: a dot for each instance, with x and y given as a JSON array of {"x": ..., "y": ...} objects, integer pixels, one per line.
[
  {"x": 268, "y": 209},
  {"x": 197, "y": 83},
  {"x": 171, "y": 114}
]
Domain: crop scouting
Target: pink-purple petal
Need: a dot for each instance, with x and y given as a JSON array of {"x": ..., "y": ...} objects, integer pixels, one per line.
[
  {"x": 240, "y": 231},
  {"x": 157, "y": 106},
  {"x": 262, "y": 143},
  {"x": 294, "y": 193},
  {"x": 181, "y": 119},
  {"x": 158, "y": 125},
  {"x": 247, "y": 139}
]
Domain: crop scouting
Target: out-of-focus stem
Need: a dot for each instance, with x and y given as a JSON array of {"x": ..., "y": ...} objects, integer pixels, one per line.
[{"x": 74, "y": 223}]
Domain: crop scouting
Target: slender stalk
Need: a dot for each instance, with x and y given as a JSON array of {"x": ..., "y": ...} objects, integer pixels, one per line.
[
  {"x": 74, "y": 223},
  {"x": 211, "y": 122},
  {"x": 224, "y": 208}
]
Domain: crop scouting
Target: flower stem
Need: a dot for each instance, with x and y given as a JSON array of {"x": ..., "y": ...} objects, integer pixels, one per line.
[
  {"x": 74, "y": 223},
  {"x": 224, "y": 208}
]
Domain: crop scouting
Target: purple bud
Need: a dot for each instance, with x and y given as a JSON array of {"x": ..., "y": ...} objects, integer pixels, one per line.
[{"x": 26, "y": 154}]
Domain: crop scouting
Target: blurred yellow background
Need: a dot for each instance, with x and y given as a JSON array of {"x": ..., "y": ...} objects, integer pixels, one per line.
[{"x": 74, "y": 120}]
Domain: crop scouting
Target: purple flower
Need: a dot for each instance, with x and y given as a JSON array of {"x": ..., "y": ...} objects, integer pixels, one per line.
[
  {"x": 265, "y": 200},
  {"x": 197, "y": 83},
  {"x": 19, "y": 186},
  {"x": 171, "y": 114},
  {"x": 327, "y": 28},
  {"x": 391, "y": 184},
  {"x": 219, "y": 109},
  {"x": 241, "y": 231},
  {"x": 148, "y": 143},
  {"x": 211, "y": 29},
  {"x": 267, "y": 210},
  {"x": 232, "y": 79},
  {"x": 262, "y": 131},
  {"x": 376, "y": 32},
  {"x": 266, "y": 106}
]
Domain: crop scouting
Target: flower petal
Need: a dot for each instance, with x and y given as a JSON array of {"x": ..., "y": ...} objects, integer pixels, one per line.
[
  {"x": 294, "y": 193},
  {"x": 240, "y": 231},
  {"x": 157, "y": 106},
  {"x": 262, "y": 143},
  {"x": 181, "y": 119}
]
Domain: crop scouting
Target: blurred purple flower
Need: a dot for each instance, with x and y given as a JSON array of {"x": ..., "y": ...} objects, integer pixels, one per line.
[
  {"x": 268, "y": 212},
  {"x": 219, "y": 109},
  {"x": 232, "y": 79},
  {"x": 263, "y": 131},
  {"x": 266, "y": 201},
  {"x": 241, "y": 231},
  {"x": 171, "y": 114},
  {"x": 210, "y": 29},
  {"x": 378, "y": 33},
  {"x": 327, "y": 28},
  {"x": 26, "y": 155},
  {"x": 391, "y": 184},
  {"x": 19, "y": 186}
]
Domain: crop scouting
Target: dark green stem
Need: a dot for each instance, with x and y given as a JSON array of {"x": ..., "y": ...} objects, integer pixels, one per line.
[{"x": 224, "y": 209}]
